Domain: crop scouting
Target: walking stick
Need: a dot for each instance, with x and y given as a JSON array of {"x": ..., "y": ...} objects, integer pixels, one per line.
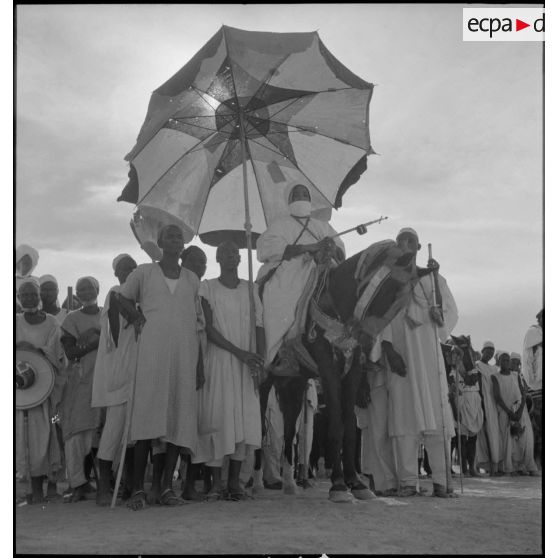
[
  {"x": 70, "y": 300},
  {"x": 129, "y": 405},
  {"x": 441, "y": 374},
  {"x": 458, "y": 430},
  {"x": 304, "y": 474},
  {"x": 27, "y": 455}
]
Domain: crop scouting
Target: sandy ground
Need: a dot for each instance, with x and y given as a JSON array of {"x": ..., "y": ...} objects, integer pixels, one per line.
[{"x": 493, "y": 516}]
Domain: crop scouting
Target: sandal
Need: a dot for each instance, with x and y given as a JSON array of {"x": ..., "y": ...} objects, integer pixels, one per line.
[
  {"x": 237, "y": 496},
  {"x": 407, "y": 491},
  {"x": 213, "y": 496},
  {"x": 137, "y": 501},
  {"x": 169, "y": 498}
]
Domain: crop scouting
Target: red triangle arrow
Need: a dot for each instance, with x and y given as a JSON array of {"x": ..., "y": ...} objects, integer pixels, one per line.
[{"x": 519, "y": 25}]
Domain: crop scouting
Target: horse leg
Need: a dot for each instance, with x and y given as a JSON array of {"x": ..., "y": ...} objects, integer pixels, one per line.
[
  {"x": 331, "y": 384},
  {"x": 349, "y": 389},
  {"x": 290, "y": 402}
]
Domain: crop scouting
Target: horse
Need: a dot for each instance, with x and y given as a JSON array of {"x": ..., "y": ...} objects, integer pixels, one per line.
[{"x": 351, "y": 304}]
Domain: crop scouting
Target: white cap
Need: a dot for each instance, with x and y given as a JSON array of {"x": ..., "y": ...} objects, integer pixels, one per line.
[{"x": 407, "y": 230}]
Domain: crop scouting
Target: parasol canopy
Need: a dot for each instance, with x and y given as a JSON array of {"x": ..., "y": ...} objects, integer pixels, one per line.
[{"x": 302, "y": 114}]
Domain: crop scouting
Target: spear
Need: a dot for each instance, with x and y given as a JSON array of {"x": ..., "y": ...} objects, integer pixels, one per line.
[
  {"x": 360, "y": 229},
  {"x": 435, "y": 290}
]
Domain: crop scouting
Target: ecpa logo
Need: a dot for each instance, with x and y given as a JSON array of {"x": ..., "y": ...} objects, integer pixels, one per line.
[{"x": 503, "y": 24}]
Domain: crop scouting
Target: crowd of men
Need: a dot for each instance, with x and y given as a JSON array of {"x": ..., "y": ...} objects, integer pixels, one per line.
[{"x": 169, "y": 367}]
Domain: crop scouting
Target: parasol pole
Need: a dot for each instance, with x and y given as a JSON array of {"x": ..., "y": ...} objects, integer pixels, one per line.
[
  {"x": 248, "y": 228},
  {"x": 441, "y": 375}
]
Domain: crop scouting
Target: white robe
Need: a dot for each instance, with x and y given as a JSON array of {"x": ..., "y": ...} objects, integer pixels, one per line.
[
  {"x": 105, "y": 358},
  {"x": 415, "y": 404},
  {"x": 533, "y": 361},
  {"x": 165, "y": 398},
  {"x": 229, "y": 406},
  {"x": 488, "y": 441},
  {"x": 283, "y": 290}
]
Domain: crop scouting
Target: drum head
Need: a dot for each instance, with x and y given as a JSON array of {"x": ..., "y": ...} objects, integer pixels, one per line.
[{"x": 42, "y": 387}]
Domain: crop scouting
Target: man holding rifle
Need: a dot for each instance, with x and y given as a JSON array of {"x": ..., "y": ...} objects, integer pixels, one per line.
[{"x": 419, "y": 409}]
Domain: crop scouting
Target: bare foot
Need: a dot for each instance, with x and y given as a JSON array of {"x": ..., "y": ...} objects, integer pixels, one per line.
[
  {"x": 137, "y": 501},
  {"x": 441, "y": 492},
  {"x": 78, "y": 495},
  {"x": 154, "y": 496},
  {"x": 190, "y": 493},
  {"x": 103, "y": 499},
  {"x": 35, "y": 498}
]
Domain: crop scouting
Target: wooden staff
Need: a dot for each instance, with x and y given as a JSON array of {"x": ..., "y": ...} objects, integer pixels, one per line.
[
  {"x": 129, "y": 405},
  {"x": 458, "y": 429},
  {"x": 70, "y": 300},
  {"x": 435, "y": 290},
  {"x": 27, "y": 454}
]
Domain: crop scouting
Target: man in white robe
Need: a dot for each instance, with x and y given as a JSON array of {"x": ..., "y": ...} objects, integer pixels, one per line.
[
  {"x": 287, "y": 250},
  {"x": 488, "y": 439},
  {"x": 115, "y": 360},
  {"x": 533, "y": 348},
  {"x": 418, "y": 403}
]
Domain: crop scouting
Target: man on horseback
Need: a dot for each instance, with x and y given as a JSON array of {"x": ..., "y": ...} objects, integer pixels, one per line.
[{"x": 289, "y": 249}]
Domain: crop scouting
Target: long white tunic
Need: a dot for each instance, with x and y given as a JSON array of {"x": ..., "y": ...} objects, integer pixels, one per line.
[
  {"x": 283, "y": 290},
  {"x": 515, "y": 454},
  {"x": 533, "y": 357},
  {"x": 415, "y": 403},
  {"x": 470, "y": 408},
  {"x": 229, "y": 406},
  {"x": 165, "y": 399},
  {"x": 105, "y": 357},
  {"x": 488, "y": 441},
  {"x": 44, "y": 450}
]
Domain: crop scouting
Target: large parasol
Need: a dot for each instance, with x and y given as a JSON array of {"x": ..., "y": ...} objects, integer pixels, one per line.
[
  {"x": 303, "y": 117},
  {"x": 225, "y": 138}
]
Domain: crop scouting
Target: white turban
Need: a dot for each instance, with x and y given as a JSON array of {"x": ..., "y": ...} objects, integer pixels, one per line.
[
  {"x": 30, "y": 280},
  {"x": 48, "y": 278},
  {"x": 488, "y": 344},
  {"x": 407, "y": 230},
  {"x": 118, "y": 258},
  {"x": 92, "y": 280},
  {"x": 515, "y": 355},
  {"x": 26, "y": 250}
]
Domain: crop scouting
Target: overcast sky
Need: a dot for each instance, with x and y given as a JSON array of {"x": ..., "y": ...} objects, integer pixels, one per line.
[{"x": 457, "y": 127}]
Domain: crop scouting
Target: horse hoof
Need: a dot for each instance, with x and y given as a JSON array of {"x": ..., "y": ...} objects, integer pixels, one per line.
[
  {"x": 289, "y": 489},
  {"x": 363, "y": 494},
  {"x": 340, "y": 496}
]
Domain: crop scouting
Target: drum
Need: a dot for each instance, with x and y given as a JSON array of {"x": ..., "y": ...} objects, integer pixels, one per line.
[{"x": 34, "y": 379}]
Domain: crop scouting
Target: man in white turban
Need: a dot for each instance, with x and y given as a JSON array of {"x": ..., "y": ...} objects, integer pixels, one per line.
[
  {"x": 418, "y": 406},
  {"x": 49, "y": 297},
  {"x": 533, "y": 348},
  {"x": 488, "y": 439},
  {"x": 287, "y": 250},
  {"x": 26, "y": 259},
  {"x": 116, "y": 358}
]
